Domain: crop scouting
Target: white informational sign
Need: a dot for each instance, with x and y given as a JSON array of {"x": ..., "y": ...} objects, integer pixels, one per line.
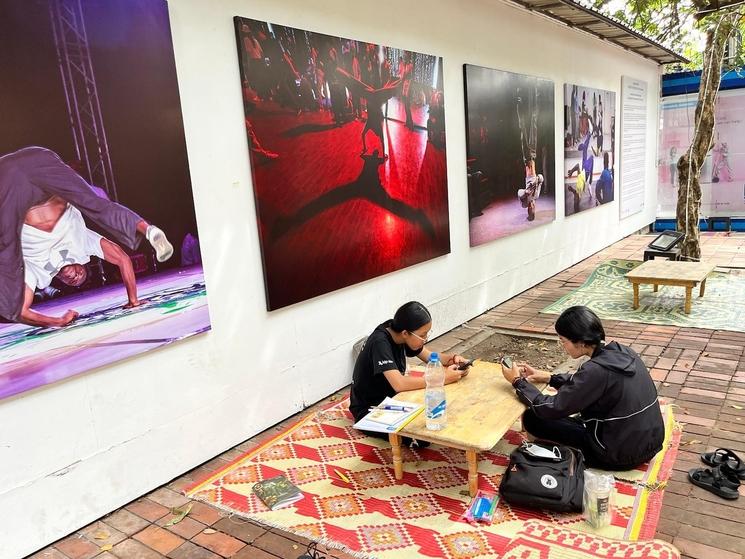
[{"x": 633, "y": 145}]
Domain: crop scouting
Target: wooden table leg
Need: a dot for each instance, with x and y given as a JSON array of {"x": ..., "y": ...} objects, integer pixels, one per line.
[
  {"x": 655, "y": 288},
  {"x": 473, "y": 472},
  {"x": 702, "y": 289},
  {"x": 689, "y": 290},
  {"x": 398, "y": 465},
  {"x": 636, "y": 295}
]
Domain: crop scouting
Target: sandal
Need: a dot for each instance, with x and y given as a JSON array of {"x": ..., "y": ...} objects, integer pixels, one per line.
[
  {"x": 725, "y": 456},
  {"x": 716, "y": 481}
]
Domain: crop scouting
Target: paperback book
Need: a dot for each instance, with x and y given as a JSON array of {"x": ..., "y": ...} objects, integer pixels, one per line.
[{"x": 277, "y": 492}]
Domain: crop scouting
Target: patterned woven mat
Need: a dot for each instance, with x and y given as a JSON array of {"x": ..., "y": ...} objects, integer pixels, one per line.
[
  {"x": 610, "y": 295},
  {"x": 373, "y": 515},
  {"x": 538, "y": 540}
]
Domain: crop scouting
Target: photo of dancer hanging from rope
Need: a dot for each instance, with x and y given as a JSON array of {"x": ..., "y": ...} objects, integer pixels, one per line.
[{"x": 510, "y": 152}]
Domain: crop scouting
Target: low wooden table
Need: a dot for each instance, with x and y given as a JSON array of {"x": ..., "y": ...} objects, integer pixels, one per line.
[
  {"x": 668, "y": 272},
  {"x": 480, "y": 409}
]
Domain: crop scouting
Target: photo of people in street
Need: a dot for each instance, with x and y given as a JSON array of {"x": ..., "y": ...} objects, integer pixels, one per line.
[{"x": 589, "y": 148}]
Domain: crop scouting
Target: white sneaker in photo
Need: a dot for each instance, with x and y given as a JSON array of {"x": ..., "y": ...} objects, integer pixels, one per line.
[{"x": 157, "y": 238}]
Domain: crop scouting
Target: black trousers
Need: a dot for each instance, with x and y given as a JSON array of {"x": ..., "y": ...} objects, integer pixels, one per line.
[
  {"x": 29, "y": 177},
  {"x": 568, "y": 431}
]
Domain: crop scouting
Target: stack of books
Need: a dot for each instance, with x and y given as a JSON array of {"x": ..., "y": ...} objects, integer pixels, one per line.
[{"x": 390, "y": 416}]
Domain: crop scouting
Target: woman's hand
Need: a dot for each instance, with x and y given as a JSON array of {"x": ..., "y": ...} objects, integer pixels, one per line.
[
  {"x": 452, "y": 374},
  {"x": 532, "y": 374},
  {"x": 511, "y": 373},
  {"x": 458, "y": 359}
]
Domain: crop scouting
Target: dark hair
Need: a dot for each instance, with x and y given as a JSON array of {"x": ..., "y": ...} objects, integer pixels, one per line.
[
  {"x": 580, "y": 324},
  {"x": 410, "y": 316}
]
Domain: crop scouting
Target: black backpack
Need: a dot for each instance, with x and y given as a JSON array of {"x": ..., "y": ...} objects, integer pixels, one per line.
[{"x": 554, "y": 483}]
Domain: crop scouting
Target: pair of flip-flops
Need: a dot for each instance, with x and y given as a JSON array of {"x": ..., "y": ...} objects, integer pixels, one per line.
[{"x": 724, "y": 475}]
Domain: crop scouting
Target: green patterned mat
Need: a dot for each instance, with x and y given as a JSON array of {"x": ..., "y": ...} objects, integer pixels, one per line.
[{"x": 610, "y": 295}]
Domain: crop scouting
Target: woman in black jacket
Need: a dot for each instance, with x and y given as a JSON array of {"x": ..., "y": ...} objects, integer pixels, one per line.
[{"x": 618, "y": 423}]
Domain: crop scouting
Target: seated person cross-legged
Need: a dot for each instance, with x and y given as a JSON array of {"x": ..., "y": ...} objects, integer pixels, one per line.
[
  {"x": 380, "y": 366},
  {"x": 618, "y": 424}
]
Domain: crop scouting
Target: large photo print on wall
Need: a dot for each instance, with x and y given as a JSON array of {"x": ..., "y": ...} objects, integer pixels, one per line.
[
  {"x": 723, "y": 171},
  {"x": 589, "y": 148},
  {"x": 347, "y": 148},
  {"x": 99, "y": 251},
  {"x": 510, "y": 152}
]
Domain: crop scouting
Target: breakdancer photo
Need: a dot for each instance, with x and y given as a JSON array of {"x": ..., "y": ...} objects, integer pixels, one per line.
[{"x": 42, "y": 205}]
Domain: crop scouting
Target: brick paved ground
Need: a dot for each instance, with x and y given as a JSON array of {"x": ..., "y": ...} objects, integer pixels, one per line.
[{"x": 702, "y": 371}]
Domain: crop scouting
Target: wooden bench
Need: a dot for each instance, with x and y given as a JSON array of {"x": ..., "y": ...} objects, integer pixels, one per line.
[{"x": 668, "y": 272}]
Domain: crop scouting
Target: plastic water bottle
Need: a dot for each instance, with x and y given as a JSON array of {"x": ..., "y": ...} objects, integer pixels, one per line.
[{"x": 434, "y": 395}]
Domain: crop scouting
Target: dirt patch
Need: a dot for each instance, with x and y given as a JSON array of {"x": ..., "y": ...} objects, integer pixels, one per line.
[{"x": 542, "y": 354}]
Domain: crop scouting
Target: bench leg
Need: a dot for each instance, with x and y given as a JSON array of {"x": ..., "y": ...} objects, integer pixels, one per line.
[
  {"x": 636, "y": 295},
  {"x": 473, "y": 472},
  {"x": 689, "y": 290},
  {"x": 702, "y": 289},
  {"x": 655, "y": 287},
  {"x": 398, "y": 465}
]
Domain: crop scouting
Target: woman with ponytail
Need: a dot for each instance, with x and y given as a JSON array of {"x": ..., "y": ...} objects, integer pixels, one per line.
[{"x": 380, "y": 366}]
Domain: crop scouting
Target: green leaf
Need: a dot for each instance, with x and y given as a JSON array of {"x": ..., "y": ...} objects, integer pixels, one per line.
[{"x": 179, "y": 514}]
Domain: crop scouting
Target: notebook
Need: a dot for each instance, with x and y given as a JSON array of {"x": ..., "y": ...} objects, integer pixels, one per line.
[
  {"x": 384, "y": 420},
  {"x": 277, "y": 492}
]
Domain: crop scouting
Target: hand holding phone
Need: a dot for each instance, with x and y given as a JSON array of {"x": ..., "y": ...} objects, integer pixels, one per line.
[
  {"x": 506, "y": 361},
  {"x": 464, "y": 366}
]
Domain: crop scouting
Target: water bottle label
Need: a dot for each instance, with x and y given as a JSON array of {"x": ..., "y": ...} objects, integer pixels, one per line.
[
  {"x": 603, "y": 503},
  {"x": 437, "y": 411}
]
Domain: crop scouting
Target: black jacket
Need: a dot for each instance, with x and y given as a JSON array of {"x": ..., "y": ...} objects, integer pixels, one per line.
[{"x": 617, "y": 401}]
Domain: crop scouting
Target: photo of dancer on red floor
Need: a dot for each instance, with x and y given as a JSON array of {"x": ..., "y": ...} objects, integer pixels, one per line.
[{"x": 347, "y": 147}]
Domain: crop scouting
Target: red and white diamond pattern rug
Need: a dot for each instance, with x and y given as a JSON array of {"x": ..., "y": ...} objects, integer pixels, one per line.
[{"x": 419, "y": 516}]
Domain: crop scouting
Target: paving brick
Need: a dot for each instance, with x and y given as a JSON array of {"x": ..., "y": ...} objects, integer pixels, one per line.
[
  {"x": 722, "y": 543},
  {"x": 278, "y": 545},
  {"x": 188, "y": 550},
  {"x": 168, "y": 498},
  {"x": 664, "y": 363},
  {"x": 246, "y": 531},
  {"x": 49, "y": 553},
  {"x": 220, "y": 543},
  {"x": 100, "y": 533},
  {"x": 707, "y": 393},
  {"x": 205, "y": 514},
  {"x": 148, "y": 509},
  {"x": 159, "y": 539},
  {"x": 126, "y": 522},
  {"x": 676, "y": 377},
  {"x": 132, "y": 549},
  {"x": 77, "y": 547},
  {"x": 187, "y": 527},
  {"x": 255, "y": 553}
]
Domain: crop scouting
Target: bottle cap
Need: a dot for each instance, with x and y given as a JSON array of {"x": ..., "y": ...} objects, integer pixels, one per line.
[{"x": 434, "y": 356}]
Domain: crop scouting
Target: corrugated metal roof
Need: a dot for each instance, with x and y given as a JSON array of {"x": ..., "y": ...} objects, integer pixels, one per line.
[{"x": 605, "y": 27}]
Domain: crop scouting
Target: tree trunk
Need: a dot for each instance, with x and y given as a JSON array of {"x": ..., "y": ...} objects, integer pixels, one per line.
[{"x": 689, "y": 165}]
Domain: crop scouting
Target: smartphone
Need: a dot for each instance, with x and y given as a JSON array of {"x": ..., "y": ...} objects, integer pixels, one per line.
[
  {"x": 464, "y": 366},
  {"x": 506, "y": 361}
]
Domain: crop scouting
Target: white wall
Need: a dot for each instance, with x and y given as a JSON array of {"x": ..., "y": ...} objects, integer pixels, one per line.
[{"x": 73, "y": 451}]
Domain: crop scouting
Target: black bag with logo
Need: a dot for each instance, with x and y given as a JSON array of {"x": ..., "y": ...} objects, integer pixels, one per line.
[{"x": 544, "y": 475}]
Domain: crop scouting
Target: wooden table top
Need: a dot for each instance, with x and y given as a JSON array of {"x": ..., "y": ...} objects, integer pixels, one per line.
[
  {"x": 480, "y": 409},
  {"x": 671, "y": 270}
]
